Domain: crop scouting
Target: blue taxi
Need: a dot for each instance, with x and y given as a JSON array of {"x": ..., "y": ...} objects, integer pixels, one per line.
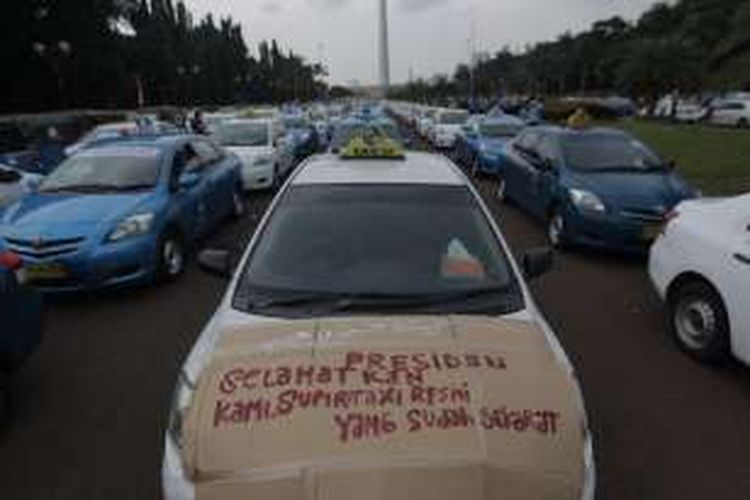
[
  {"x": 124, "y": 213},
  {"x": 594, "y": 187}
]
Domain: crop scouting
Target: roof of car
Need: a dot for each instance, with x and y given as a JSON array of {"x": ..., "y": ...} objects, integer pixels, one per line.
[{"x": 414, "y": 168}]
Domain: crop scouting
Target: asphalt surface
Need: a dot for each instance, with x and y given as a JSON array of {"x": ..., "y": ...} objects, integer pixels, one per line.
[{"x": 92, "y": 404}]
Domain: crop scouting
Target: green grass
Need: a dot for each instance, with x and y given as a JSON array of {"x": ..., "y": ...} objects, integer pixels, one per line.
[{"x": 715, "y": 160}]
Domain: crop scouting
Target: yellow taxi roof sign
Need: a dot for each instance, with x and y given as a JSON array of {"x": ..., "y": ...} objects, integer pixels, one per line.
[{"x": 372, "y": 146}]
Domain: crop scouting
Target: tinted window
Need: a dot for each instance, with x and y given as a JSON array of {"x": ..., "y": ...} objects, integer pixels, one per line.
[
  {"x": 454, "y": 118},
  {"x": 242, "y": 134},
  {"x": 122, "y": 168},
  {"x": 500, "y": 129},
  {"x": 379, "y": 240},
  {"x": 591, "y": 151}
]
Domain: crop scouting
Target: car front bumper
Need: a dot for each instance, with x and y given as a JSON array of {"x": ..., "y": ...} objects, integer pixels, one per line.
[
  {"x": 257, "y": 177},
  {"x": 610, "y": 232},
  {"x": 126, "y": 263}
]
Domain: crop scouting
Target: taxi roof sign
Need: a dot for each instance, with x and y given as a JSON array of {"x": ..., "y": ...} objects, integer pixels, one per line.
[{"x": 372, "y": 146}]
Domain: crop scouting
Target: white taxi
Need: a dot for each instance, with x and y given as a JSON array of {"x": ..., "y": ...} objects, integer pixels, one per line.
[
  {"x": 252, "y": 140},
  {"x": 377, "y": 341},
  {"x": 700, "y": 266}
]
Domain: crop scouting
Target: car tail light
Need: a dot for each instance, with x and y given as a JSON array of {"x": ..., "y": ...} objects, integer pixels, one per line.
[{"x": 10, "y": 260}]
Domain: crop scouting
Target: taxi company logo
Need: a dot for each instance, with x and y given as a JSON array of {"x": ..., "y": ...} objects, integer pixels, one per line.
[{"x": 37, "y": 242}]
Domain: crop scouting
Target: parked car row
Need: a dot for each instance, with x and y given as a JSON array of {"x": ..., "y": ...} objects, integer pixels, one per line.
[
  {"x": 602, "y": 188},
  {"x": 729, "y": 111}
]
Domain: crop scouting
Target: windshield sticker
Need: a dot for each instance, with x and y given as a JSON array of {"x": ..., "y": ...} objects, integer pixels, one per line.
[{"x": 459, "y": 263}]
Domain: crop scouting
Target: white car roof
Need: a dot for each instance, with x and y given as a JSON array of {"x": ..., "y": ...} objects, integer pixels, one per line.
[{"x": 415, "y": 168}]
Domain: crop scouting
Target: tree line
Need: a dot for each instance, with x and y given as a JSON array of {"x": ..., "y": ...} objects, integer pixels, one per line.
[
  {"x": 689, "y": 46},
  {"x": 126, "y": 53}
]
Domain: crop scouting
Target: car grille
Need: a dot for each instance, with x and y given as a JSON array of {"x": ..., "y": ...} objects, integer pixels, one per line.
[
  {"x": 646, "y": 215},
  {"x": 43, "y": 248}
]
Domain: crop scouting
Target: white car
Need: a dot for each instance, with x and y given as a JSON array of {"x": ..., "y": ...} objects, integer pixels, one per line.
[
  {"x": 689, "y": 112},
  {"x": 700, "y": 267},
  {"x": 363, "y": 255},
  {"x": 252, "y": 140},
  {"x": 448, "y": 124},
  {"x": 730, "y": 112}
]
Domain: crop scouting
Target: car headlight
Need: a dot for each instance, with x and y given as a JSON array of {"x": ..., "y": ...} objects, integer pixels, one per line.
[
  {"x": 134, "y": 225},
  {"x": 181, "y": 399},
  {"x": 586, "y": 201}
]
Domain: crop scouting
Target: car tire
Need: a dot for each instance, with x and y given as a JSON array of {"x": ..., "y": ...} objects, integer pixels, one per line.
[
  {"x": 171, "y": 256},
  {"x": 239, "y": 209},
  {"x": 556, "y": 230},
  {"x": 697, "y": 320},
  {"x": 743, "y": 123}
]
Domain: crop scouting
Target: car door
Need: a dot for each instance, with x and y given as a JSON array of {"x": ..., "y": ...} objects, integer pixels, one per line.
[
  {"x": 519, "y": 172},
  {"x": 543, "y": 175},
  {"x": 736, "y": 288},
  {"x": 186, "y": 185},
  {"x": 216, "y": 193}
]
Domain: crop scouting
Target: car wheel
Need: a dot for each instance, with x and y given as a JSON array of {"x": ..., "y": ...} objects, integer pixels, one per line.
[
  {"x": 171, "y": 256},
  {"x": 238, "y": 204},
  {"x": 743, "y": 123},
  {"x": 698, "y": 321},
  {"x": 556, "y": 230}
]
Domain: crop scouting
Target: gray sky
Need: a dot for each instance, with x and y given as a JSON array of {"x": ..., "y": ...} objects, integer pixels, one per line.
[{"x": 431, "y": 36}]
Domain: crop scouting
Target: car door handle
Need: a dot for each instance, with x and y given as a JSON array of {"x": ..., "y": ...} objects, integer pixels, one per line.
[{"x": 742, "y": 258}]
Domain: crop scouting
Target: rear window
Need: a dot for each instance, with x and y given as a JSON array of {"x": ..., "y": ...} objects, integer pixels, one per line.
[
  {"x": 383, "y": 241},
  {"x": 454, "y": 118}
]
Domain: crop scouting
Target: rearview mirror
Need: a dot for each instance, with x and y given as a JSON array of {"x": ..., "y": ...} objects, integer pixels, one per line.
[
  {"x": 537, "y": 262},
  {"x": 216, "y": 262}
]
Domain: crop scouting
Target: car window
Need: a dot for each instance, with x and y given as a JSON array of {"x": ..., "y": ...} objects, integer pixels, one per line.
[
  {"x": 546, "y": 148},
  {"x": 597, "y": 151},
  {"x": 391, "y": 241},
  {"x": 206, "y": 152},
  {"x": 528, "y": 140},
  {"x": 500, "y": 130},
  {"x": 243, "y": 134},
  {"x": 105, "y": 169}
]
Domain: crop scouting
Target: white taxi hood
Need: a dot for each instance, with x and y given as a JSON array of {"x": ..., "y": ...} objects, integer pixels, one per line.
[{"x": 385, "y": 408}]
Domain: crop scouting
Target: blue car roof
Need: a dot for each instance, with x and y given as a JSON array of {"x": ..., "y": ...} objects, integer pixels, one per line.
[{"x": 161, "y": 141}]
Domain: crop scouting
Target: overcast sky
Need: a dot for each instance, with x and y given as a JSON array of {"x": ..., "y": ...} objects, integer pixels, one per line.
[{"x": 430, "y": 36}]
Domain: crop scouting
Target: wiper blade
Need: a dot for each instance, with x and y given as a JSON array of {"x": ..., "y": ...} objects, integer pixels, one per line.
[{"x": 340, "y": 302}]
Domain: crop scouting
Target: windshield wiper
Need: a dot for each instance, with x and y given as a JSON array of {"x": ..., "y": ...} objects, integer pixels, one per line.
[{"x": 381, "y": 302}]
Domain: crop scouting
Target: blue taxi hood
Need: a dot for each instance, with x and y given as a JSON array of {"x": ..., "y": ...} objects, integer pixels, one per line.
[
  {"x": 62, "y": 215},
  {"x": 663, "y": 188}
]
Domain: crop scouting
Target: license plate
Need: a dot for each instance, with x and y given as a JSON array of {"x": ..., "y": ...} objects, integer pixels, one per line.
[
  {"x": 46, "y": 271},
  {"x": 651, "y": 232}
]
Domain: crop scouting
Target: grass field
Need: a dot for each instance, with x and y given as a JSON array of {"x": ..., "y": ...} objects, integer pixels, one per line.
[{"x": 715, "y": 160}]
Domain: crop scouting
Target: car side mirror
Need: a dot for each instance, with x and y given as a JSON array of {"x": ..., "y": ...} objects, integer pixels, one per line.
[
  {"x": 537, "y": 262},
  {"x": 216, "y": 262},
  {"x": 189, "y": 180}
]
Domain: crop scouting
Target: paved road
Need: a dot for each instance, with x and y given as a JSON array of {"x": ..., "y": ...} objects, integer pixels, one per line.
[{"x": 92, "y": 405}]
